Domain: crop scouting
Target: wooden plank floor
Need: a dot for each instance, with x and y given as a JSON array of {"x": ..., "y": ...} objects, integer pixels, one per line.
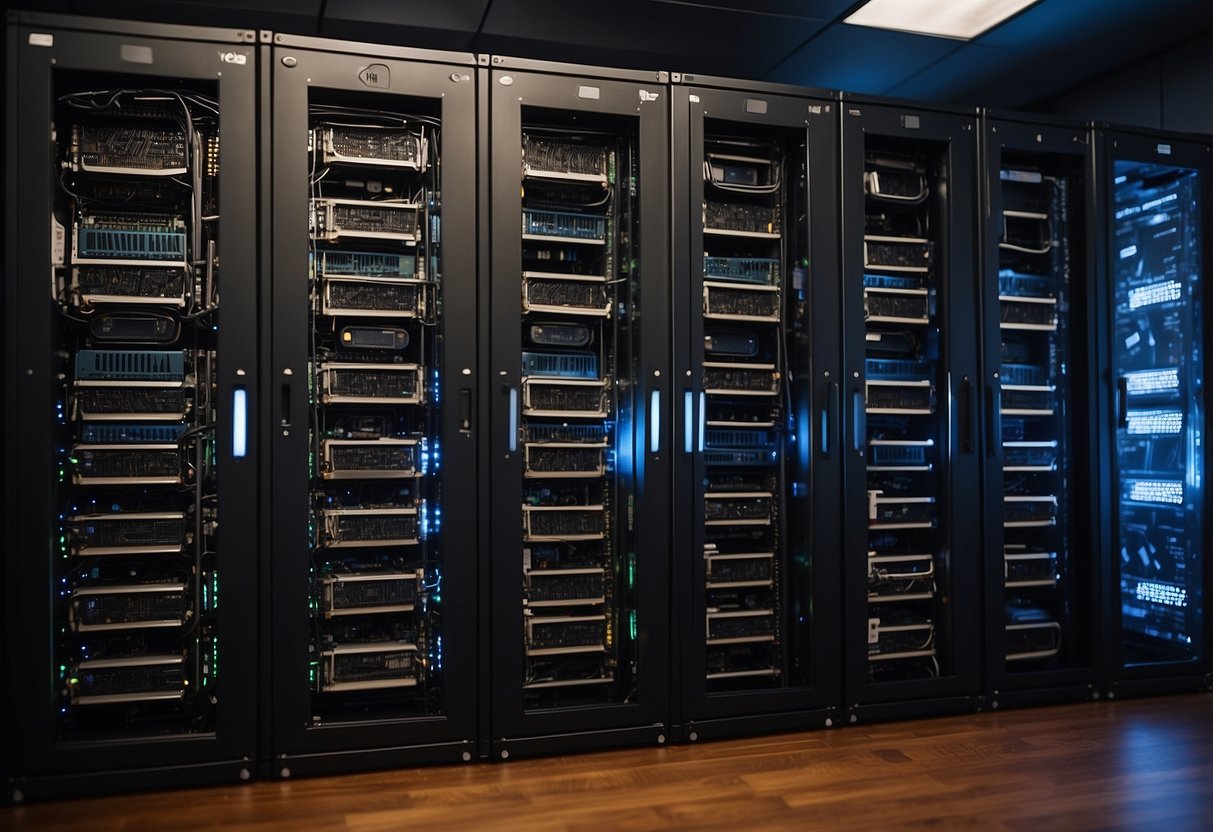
[{"x": 1140, "y": 764}]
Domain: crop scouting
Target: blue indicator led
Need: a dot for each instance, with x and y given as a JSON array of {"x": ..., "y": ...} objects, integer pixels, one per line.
[{"x": 239, "y": 423}]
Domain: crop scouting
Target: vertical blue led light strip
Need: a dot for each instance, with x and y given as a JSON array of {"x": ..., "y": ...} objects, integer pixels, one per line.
[
  {"x": 688, "y": 422},
  {"x": 513, "y": 440},
  {"x": 703, "y": 418},
  {"x": 655, "y": 422},
  {"x": 239, "y": 423}
]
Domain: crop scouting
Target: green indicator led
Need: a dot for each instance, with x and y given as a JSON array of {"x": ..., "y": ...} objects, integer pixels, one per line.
[{"x": 632, "y": 624}]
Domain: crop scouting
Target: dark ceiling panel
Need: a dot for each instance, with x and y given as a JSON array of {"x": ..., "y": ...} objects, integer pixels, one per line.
[
  {"x": 860, "y": 59},
  {"x": 986, "y": 77},
  {"x": 1114, "y": 24},
  {"x": 653, "y": 35},
  {"x": 970, "y": 66},
  {"x": 441, "y": 24},
  {"x": 281, "y": 15},
  {"x": 813, "y": 9}
]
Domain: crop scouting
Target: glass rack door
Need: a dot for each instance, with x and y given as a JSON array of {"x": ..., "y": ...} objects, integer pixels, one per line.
[{"x": 1156, "y": 268}]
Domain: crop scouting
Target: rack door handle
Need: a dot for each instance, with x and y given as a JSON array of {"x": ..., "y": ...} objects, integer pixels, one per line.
[
  {"x": 514, "y": 417},
  {"x": 284, "y": 405},
  {"x": 967, "y": 415},
  {"x": 465, "y": 409},
  {"x": 859, "y": 422},
  {"x": 994, "y": 425},
  {"x": 829, "y": 417},
  {"x": 1122, "y": 402}
]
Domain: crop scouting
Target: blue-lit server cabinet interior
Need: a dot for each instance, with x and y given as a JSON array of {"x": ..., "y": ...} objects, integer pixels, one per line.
[
  {"x": 578, "y": 553},
  {"x": 132, "y": 373},
  {"x": 910, "y": 268},
  {"x": 371, "y": 646},
  {"x": 1155, "y": 190},
  {"x": 1040, "y": 381},
  {"x": 757, "y": 503}
]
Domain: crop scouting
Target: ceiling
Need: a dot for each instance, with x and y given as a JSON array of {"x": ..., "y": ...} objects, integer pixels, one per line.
[{"x": 1051, "y": 46}]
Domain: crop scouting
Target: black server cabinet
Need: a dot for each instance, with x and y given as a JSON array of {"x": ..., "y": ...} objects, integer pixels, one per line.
[
  {"x": 756, "y": 384},
  {"x": 131, "y": 389},
  {"x": 578, "y": 553},
  {"x": 912, "y": 557},
  {"x": 1154, "y": 190},
  {"x": 372, "y": 651},
  {"x": 1041, "y": 562}
]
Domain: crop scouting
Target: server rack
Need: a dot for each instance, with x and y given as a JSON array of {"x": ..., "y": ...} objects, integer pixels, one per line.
[
  {"x": 1154, "y": 203},
  {"x": 130, "y": 210},
  {"x": 757, "y": 346},
  {"x": 373, "y": 640},
  {"x": 912, "y": 477},
  {"x": 1042, "y": 570},
  {"x": 579, "y": 546}
]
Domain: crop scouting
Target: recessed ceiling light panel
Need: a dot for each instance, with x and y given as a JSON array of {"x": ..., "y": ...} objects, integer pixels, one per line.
[{"x": 963, "y": 19}]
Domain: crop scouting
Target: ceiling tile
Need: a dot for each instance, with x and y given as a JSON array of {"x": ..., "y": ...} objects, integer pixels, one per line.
[
  {"x": 813, "y": 9},
  {"x": 1115, "y": 24},
  {"x": 860, "y": 59},
  {"x": 644, "y": 33},
  {"x": 965, "y": 66}
]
